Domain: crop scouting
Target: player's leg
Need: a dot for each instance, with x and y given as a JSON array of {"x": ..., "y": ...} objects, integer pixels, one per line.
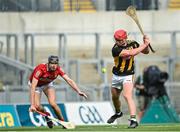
[
  {"x": 51, "y": 95},
  {"x": 128, "y": 96},
  {"x": 117, "y": 104},
  {"x": 116, "y": 91},
  {"x": 39, "y": 107},
  {"x": 38, "y": 94},
  {"x": 37, "y": 99},
  {"x": 115, "y": 99}
]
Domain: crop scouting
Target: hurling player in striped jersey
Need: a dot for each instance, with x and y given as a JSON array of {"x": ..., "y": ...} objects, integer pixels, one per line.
[{"x": 123, "y": 53}]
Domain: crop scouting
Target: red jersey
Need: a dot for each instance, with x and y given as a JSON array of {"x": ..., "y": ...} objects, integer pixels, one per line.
[{"x": 44, "y": 76}]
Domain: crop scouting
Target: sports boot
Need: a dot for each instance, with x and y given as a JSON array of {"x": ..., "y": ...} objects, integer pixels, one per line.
[
  {"x": 114, "y": 117},
  {"x": 133, "y": 124},
  {"x": 48, "y": 121}
]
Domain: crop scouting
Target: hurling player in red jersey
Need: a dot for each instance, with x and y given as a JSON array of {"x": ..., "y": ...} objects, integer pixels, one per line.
[{"x": 41, "y": 80}]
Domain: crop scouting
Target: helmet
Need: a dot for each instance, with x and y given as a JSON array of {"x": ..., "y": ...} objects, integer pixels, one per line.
[
  {"x": 120, "y": 34},
  {"x": 53, "y": 59}
]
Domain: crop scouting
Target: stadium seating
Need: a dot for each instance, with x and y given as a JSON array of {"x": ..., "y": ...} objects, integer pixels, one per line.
[
  {"x": 80, "y": 6},
  {"x": 174, "y": 4}
]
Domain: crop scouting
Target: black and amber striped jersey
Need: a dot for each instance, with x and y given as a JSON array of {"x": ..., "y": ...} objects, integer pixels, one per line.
[{"x": 123, "y": 66}]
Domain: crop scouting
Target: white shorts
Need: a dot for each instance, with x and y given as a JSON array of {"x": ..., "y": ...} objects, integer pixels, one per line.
[
  {"x": 118, "y": 81},
  {"x": 41, "y": 88}
]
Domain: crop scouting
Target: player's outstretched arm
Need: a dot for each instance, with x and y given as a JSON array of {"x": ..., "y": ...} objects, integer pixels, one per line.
[{"x": 74, "y": 85}]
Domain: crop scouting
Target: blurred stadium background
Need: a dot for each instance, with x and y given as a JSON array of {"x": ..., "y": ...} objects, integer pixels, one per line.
[{"x": 80, "y": 32}]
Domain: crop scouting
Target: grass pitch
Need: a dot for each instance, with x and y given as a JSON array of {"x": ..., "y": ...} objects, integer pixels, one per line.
[{"x": 143, "y": 127}]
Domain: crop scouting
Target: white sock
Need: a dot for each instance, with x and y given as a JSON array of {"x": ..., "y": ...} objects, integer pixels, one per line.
[
  {"x": 119, "y": 113},
  {"x": 133, "y": 119}
]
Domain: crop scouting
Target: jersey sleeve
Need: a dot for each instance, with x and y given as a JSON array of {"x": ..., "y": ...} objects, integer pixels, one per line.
[
  {"x": 116, "y": 51},
  {"x": 60, "y": 71},
  {"x": 37, "y": 73}
]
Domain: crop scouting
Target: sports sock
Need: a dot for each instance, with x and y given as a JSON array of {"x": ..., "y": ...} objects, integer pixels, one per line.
[
  {"x": 118, "y": 113},
  {"x": 133, "y": 117}
]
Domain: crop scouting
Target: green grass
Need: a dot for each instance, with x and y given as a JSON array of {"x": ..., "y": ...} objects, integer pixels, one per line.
[{"x": 149, "y": 127}]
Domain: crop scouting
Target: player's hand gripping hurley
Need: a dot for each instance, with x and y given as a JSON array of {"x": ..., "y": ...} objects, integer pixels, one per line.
[
  {"x": 131, "y": 11},
  {"x": 67, "y": 125}
]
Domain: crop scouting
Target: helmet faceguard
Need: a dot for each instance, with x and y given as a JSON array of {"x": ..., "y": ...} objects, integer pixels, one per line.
[
  {"x": 120, "y": 34},
  {"x": 53, "y": 59}
]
